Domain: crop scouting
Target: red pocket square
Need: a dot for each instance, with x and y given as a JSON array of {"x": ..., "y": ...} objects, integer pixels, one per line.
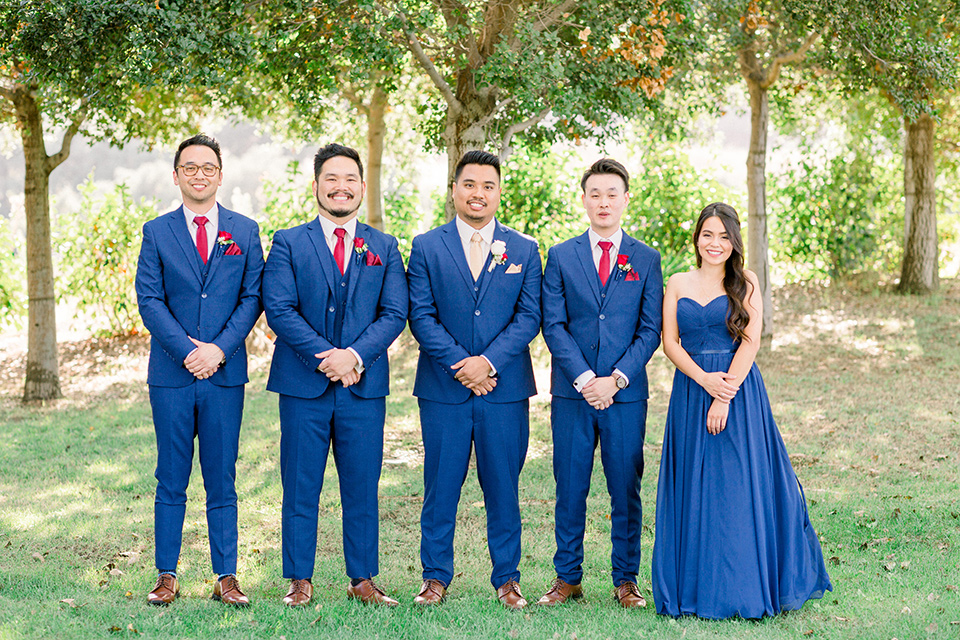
[
  {"x": 373, "y": 260},
  {"x": 632, "y": 275},
  {"x": 233, "y": 250}
]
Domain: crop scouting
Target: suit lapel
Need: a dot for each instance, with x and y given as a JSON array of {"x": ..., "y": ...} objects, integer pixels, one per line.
[
  {"x": 585, "y": 253},
  {"x": 225, "y": 223},
  {"x": 486, "y": 276},
  {"x": 358, "y": 262},
  {"x": 178, "y": 226},
  {"x": 327, "y": 264},
  {"x": 452, "y": 241}
]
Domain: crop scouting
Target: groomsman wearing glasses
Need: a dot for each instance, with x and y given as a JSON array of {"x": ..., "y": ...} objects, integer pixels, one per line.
[
  {"x": 335, "y": 293},
  {"x": 198, "y": 290},
  {"x": 602, "y": 299}
]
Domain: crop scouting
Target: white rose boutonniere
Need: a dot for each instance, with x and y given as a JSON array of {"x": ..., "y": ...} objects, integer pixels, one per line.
[{"x": 498, "y": 253}]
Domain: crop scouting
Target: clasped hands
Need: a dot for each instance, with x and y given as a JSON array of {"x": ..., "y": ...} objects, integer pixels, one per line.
[
  {"x": 474, "y": 373},
  {"x": 719, "y": 385},
  {"x": 599, "y": 392},
  {"x": 203, "y": 361},
  {"x": 339, "y": 365}
]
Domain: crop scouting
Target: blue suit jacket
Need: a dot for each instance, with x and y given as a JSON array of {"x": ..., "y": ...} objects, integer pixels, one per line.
[
  {"x": 585, "y": 327},
  {"x": 178, "y": 303},
  {"x": 452, "y": 317},
  {"x": 299, "y": 297}
]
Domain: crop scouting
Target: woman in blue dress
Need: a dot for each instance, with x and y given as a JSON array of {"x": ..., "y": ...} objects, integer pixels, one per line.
[{"x": 733, "y": 537}]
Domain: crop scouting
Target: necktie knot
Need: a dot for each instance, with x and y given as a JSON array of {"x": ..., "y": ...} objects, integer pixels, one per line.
[
  {"x": 340, "y": 232},
  {"x": 339, "y": 249},
  {"x": 200, "y": 221},
  {"x": 606, "y": 245}
]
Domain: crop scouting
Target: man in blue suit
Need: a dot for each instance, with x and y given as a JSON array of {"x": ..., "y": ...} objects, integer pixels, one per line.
[
  {"x": 198, "y": 289},
  {"x": 335, "y": 294},
  {"x": 602, "y": 299},
  {"x": 474, "y": 308}
]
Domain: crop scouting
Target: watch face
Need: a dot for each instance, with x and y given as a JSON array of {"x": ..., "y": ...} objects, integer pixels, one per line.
[{"x": 621, "y": 383}]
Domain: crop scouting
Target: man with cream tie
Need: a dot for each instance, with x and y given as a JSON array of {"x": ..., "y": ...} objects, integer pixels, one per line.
[
  {"x": 198, "y": 291},
  {"x": 474, "y": 308},
  {"x": 335, "y": 294},
  {"x": 602, "y": 299}
]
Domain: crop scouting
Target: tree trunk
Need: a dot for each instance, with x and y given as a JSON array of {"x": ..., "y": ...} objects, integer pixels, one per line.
[
  {"x": 920, "y": 270},
  {"x": 43, "y": 377},
  {"x": 376, "y": 129},
  {"x": 758, "y": 241},
  {"x": 465, "y": 127}
]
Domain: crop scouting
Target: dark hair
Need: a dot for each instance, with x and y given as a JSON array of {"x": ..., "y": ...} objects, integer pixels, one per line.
[
  {"x": 477, "y": 157},
  {"x": 606, "y": 166},
  {"x": 333, "y": 150},
  {"x": 201, "y": 140},
  {"x": 734, "y": 281}
]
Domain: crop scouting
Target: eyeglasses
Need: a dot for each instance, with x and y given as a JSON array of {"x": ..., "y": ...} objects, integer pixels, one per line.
[{"x": 191, "y": 169}]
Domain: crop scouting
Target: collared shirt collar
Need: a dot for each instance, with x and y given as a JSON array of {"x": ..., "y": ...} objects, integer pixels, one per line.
[
  {"x": 212, "y": 215},
  {"x": 329, "y": 225},
  {"x": 466, "y": 231},
  {"x": 615, "y": 239}
]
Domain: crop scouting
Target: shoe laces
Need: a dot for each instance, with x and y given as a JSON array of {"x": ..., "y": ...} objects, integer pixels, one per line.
[
  {"x": 432, "y": 585},
  {"x": 514, "y": 586},
  {"x": 229, "y": 583},
  {"x": 558, "y": 583},
  {"x": 166, "y": 581},
  {"x": 298, "y": 586},
  {"x": 629, "y": 587}
]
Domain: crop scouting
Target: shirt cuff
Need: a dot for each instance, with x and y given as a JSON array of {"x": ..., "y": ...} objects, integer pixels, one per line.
[
  {"x": 583, "y": 379},
  {"x": 359, "y": 366},
  {"x": 622, "y": 375},
  {"x": 493, "y": 369}
]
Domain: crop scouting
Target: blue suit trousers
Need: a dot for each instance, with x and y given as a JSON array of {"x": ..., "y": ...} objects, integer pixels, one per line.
[
  {"x": 309, "y": 426},
  {"x": 619, "y": 429},
  {"x": 212, "y": 414},
  {"x": 500, "y": 433}
]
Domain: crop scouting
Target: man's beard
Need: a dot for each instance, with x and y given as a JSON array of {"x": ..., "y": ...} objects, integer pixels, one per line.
[{"x": 335, "y": 213}]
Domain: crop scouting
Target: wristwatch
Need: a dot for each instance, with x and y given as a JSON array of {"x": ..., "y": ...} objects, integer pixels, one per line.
[{"x": 621, "y": 381}]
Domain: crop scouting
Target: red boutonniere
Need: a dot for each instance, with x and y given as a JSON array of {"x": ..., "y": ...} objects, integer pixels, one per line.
[
  {"x": 361, "y": 248},
  {"x": 225, "y": 239},
  {"x": 624, "y": 267}
]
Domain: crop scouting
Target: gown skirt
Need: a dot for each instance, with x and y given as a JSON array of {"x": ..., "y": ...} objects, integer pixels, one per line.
[{"x": 733, "y": 537}]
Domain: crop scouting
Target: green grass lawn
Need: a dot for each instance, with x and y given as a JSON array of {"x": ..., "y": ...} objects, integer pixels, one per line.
[{"x": 864, "y": 387}]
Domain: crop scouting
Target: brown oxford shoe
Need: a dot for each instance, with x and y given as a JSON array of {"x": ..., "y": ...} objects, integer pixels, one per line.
[
  {"x": 560, "y": 592},
  {"x": 628, "y": 595},
  {"x": 299, "y": 593},
  {"x": 368, "y": 592},
  {"x": 227, "y": 591},
  {"x": 510, "y": 596},
  {"x": 431, "y": 592},
  {"x": 165, "y": 591}
]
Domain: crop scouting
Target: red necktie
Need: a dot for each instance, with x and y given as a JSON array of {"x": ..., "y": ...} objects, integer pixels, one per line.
[
  {"x": 338, "y": 250},
  {"x": 606, "y": 245},
  {"x": 201, "y": 222}
]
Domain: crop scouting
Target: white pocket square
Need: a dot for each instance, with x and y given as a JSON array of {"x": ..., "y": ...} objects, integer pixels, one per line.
[{"x": 514, "y": 268}]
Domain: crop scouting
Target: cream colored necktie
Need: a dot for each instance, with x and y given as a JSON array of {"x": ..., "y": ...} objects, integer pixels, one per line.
[{"x": 476, "y": 254}]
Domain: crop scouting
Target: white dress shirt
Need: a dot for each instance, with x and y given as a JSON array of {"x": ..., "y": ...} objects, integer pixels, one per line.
[
  {"x": 466, "y": 235},
  {"x": 213, "y": 223}
]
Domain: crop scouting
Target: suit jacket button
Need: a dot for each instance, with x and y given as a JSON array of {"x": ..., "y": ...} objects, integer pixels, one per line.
[
  {"x": 602, "y": 317},
  {"x": 593, "y": 346},
  {"x": 343, "y": 284},
  {"x": 203, "y": 295},
  {"x": 477, "y": 312},
  {"x": 332, "y": 310}
]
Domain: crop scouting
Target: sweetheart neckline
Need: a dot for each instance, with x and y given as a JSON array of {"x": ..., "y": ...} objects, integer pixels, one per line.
[{"x": 703, "y": 306}]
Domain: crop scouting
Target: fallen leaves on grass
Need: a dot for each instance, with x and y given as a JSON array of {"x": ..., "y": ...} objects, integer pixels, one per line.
[{"x": 70, "y": 602}]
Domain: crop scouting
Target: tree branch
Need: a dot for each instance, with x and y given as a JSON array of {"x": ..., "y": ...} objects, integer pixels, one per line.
[
  {"x": 515, "y": 128},
  {"x": 413, "y": 43},
  {"x": 454, "y": 14},
  {"x": 59, "y": 157},
  {"x": 787, "y": 58}
]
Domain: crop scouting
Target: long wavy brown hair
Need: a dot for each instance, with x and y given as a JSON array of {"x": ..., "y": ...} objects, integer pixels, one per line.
[{"x": 735, "y": 283}]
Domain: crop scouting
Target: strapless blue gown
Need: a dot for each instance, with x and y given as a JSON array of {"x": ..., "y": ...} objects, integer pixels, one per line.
[{"x": 733, "y": 537}]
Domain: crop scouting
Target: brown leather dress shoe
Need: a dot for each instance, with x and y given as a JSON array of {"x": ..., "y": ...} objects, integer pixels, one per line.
[
  {"x": 227, "y": 591},
  {"x": 431, "y": 592},
  {"x": 299, "y": 594},
  {"x": 628, "y": 595},
  {"x": 368, "y": 592},
  {"x": 510, "y": 596},
  {"x": 165, "y": 591},
  {"x": 560, "y": 592}
]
